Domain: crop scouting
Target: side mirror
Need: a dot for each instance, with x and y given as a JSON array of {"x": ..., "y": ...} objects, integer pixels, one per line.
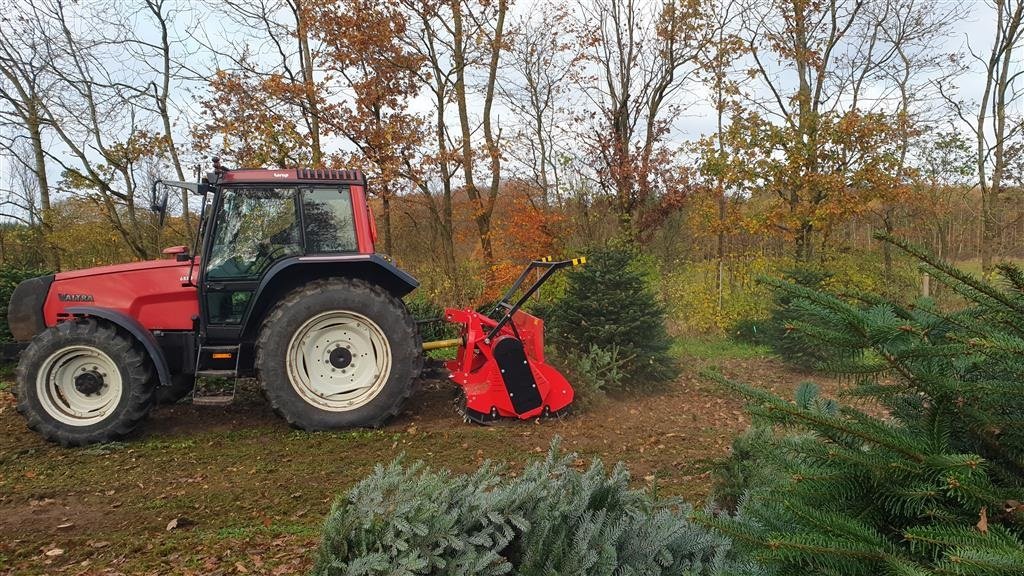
[{"x": 159, "y": 205}]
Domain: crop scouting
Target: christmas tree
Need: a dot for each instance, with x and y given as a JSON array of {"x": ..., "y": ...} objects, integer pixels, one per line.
[
  {"x": 933, "y": 485},
  {"x": 609, "y": 305},
  {"x": 550, "y": 520}
]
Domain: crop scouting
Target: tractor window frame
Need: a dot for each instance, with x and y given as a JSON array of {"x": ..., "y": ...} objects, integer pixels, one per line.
[{"x": 217, "y": 221}]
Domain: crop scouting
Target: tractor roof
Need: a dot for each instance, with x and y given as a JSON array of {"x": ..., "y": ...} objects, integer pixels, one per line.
[{"x": 293, "y": 175}]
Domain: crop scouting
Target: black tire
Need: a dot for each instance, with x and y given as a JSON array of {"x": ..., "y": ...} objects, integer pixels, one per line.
[
  {"x": 338, "y": 294},
  {"x": 129, "y": 358},
  {"x": 181, "y": 386}
]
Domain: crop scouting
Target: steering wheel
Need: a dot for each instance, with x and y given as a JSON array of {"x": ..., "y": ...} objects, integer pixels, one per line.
[{"x": 266, "y": 253}]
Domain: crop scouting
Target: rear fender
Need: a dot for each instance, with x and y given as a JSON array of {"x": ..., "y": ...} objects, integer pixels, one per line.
[
  {"x": 289, "y": 273},
  {"x": 134, "y": 328}
]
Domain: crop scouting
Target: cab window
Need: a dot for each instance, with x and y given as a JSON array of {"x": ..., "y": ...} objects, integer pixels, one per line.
[{"x": 329, "y": 223}]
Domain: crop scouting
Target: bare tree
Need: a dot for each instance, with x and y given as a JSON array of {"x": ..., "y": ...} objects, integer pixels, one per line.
[
  {"x": 99, "y": 115},
  {"x": 993, "y": 130},
  {"x": 486, "y": 20},
  {"x": 540, "y": 62},
  {"x": 24, "y": 91},
  {"x": 433, "y": 173},
  {"x": 643, "y": 56}
]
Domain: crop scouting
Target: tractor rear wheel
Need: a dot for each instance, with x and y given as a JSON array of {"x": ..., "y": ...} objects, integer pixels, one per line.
[
  {"x": 338, "y": 353},
  {"x": 82, "y": 382}
]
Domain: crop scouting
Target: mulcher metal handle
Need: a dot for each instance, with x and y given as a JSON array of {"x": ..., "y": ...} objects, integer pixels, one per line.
[{"x": 549, "y": 266}]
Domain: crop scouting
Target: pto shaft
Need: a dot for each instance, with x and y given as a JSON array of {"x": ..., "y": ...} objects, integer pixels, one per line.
[{"x": 438, "y": 344}]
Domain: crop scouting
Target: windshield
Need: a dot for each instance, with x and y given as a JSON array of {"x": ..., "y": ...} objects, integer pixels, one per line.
[{"x": 254, "y": 228}]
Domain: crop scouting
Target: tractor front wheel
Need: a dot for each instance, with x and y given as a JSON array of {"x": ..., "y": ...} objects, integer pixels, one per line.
[
  {"x": 82, "y": 382},
  {"x": 338, "y": 353}
]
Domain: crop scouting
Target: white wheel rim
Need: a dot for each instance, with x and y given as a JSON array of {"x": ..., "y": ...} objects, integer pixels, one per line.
[
  {"x": 79, "y": 385},
  {"x": 354, "y": 375}
]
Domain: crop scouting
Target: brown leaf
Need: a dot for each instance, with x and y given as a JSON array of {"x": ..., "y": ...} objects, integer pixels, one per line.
[
  {"x": 240, "y": 568},
  {"x": 982, "y": 524},
  {"x": 54, "y": 552}
]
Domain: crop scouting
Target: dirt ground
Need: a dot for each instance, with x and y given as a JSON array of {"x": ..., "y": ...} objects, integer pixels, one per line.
[{"x": 232, "y": 490}]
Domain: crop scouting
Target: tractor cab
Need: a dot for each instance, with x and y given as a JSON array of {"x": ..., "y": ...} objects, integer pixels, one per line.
[{"x": 256, "y": 224}]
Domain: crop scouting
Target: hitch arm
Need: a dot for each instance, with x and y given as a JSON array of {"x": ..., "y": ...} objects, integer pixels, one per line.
[{"x": 549, "y": 267}]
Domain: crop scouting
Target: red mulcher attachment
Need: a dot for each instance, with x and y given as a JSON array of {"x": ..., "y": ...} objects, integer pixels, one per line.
[{"x": 500, "y": 364}]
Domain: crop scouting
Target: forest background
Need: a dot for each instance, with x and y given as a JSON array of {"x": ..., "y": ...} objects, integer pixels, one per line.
[{"x": 724, "y": 139}]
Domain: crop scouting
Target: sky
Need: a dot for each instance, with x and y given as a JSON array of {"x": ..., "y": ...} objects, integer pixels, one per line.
[{"x": 696, "y": 120}]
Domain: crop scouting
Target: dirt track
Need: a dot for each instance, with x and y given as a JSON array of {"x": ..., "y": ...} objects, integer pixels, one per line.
[{"x": 249, "y": 494}]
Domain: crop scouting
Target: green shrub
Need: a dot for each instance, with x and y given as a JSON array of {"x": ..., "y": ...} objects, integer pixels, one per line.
[
  {"x": 744, "y": 470},
  {"x": 10, "y": 277},
  {"x": 778, "y": 331},
  {"x": 933, "y": 486},
  {"x": 593, "y": 373},
  {"x": 697, "y": 307},
  {"x": 551, "y": 519},
  {"x": 609, "y": 303},
  {"x": 430, "y": 318}
]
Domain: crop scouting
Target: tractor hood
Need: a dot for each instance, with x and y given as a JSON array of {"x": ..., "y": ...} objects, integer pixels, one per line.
[
  {"x": 158, "y": 294},
  {"x": 120, "y": 269}
]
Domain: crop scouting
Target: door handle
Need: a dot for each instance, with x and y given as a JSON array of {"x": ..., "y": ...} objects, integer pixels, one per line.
[{"x": 214, "y": 285}]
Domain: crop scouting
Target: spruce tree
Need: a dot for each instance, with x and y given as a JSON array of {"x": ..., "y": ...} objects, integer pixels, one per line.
[
  {"x": 550, "y": 520},
  {"x": 934, "y": 485},
  {"x": 609, "y": 304}
]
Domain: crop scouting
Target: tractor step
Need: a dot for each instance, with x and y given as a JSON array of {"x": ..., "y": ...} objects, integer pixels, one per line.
[
  {"x": 213, "y": 400},
  {"x": 215, "y": 388},
  {"x": 216, "y": 374}
]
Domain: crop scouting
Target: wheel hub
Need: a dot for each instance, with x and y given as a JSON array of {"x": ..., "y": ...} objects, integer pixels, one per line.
[
  {"x": 340, "y": 358},
  {"x": 79, "y": 385},
  {"x": 89, "y": 383}
]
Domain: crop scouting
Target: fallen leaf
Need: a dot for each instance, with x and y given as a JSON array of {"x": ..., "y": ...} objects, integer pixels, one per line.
[
  {"x": 178, "y": 523},
  {"x": 54, "y": 552},
  {"x": 983, "y": 520},
  {"x": 240, "y": 568},
  {"x": 65, "y": 525}
]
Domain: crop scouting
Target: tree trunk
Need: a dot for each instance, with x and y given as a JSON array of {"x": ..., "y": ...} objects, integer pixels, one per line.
[
  {"x": 385, "y": 200},
  {"x": 312, "y": 107},
  {"x": 45, "y": 215}
]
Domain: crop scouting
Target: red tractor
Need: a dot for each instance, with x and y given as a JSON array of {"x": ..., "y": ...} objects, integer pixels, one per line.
[{"x": 284, "y": 286}]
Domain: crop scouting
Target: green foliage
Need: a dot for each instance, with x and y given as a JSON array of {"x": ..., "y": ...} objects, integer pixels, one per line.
[
  {"x": 933, "y": 486},
  {"x": 697, "y": 306},
  {"x": 429, "y": 318},
  {"x": 10, "y": 277},
  {"x": 745, "y": 468},
  {"x": 593, "y": 373},
  {"x": 551, "y": 519},
  {"x": 609, "y": 303},
  {"x": 850, "y": 276},
  {"x": 778, "y": 331}
]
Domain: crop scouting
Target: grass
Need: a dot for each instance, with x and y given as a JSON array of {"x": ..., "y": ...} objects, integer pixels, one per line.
[
  {"x": 255, "y": 492},
  {"x": 973, "y": 265},
  {"x": 718, "y": 349}
]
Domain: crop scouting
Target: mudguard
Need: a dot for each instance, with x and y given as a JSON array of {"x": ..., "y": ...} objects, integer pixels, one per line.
[{"x": 135, "y": 329}]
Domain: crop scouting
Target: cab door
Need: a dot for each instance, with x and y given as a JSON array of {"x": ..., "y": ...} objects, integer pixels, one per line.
[{"x": 254, "y": 227}]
